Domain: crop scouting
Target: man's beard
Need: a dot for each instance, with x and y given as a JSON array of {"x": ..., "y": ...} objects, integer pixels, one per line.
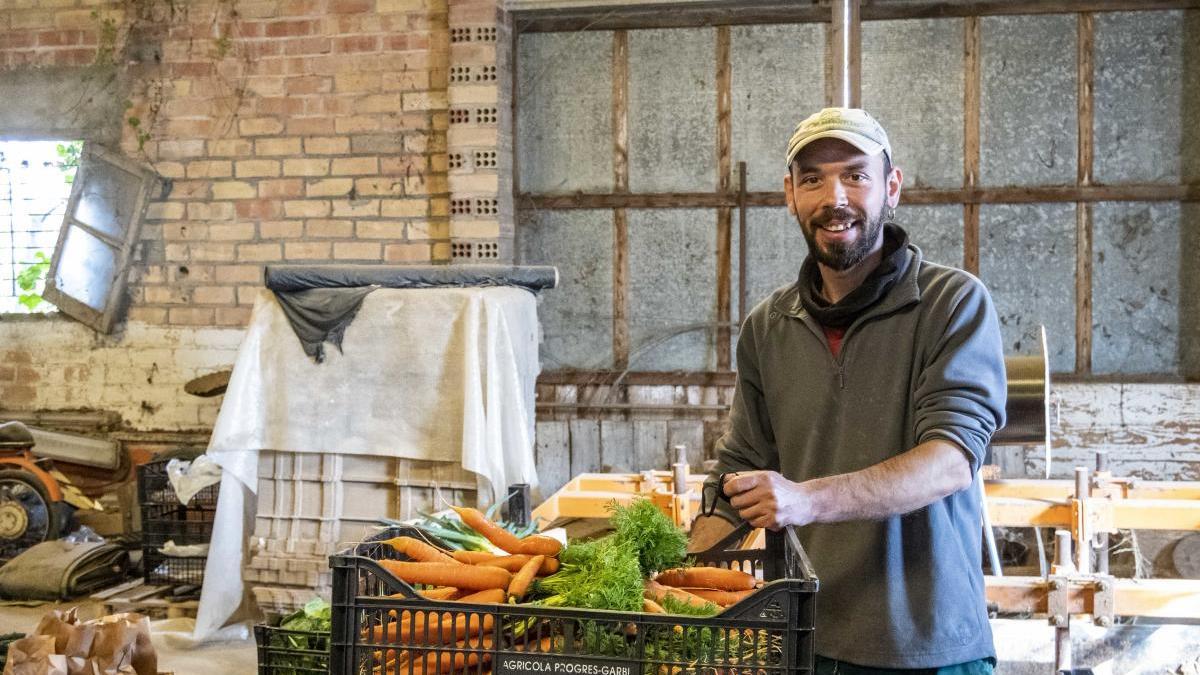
[{"x": 839, "y": 256}]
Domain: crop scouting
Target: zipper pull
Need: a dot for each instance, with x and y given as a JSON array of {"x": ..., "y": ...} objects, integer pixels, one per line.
[{"x": 842, "y": 375}]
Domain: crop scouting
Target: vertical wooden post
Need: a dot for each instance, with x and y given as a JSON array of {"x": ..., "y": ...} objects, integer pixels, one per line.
[
  {"x": 620, "y": 132},
  {"x": 724, "y": 213},
  {"x": 972, "y": 85},
  {"x": 1083, "y": 210}
]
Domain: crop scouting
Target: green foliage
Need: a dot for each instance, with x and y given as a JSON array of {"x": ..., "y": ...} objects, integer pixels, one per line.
[
  {"x": 660, "y": 544},
  {"x": 31, "y": 279},
  {"x": 143, "y": 135},
  {"x": 106, "y": 43},
  {"x": 68, "y": 159},
  {"x": 222, "y": 45},
  {"x": 314, "y": 617}
]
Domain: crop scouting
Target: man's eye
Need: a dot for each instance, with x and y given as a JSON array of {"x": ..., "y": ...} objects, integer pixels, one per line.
[
  {"x": 809, "y": 180},
  {"x": 858, "y": 177}
]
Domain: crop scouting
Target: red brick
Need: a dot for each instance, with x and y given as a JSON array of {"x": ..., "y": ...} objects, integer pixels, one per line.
[
  {"x": 309, "y": 85},
  {"x": 350, "y": 6},
  {"x": 356, "y": 43},
  {"x": 259, "y": 209},
  {"x": 284, "y": 188},
  {"x": 306, "y": 45},
  {"x": 7, "y": 373},
  {"x": 406, "y": 253},
  {"x": 17, "y": 395},
  {"x": 311, "y": 126},
  {"x": 289, "y": 28},
  {"x": 237, "y": 274}
]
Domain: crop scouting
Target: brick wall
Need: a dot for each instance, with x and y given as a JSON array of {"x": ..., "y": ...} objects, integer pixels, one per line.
[{"x": 299, "y": 131}]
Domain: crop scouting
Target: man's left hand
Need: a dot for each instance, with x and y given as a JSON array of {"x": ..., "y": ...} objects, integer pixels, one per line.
[{"x": 767, "y": 499}]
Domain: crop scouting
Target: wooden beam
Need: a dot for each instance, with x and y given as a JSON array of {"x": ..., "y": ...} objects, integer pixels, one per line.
[
  {"x": 1085, "y": 55},
  {"x": 638, "y": 378},
  {"x": 978, "y": 195},
  {"x": 1161, "y": 598},
  {"x": 724, "y": 214},
  {"x": 723, "y": 13},
  {"x": 972, "y": 87},
  {"x": 620, "y": 133}
]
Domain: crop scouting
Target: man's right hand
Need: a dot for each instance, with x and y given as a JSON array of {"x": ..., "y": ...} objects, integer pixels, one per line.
[{"x": 707, "y": 531}]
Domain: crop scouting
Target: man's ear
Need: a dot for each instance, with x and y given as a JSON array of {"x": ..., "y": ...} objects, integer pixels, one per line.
[
  {"x": 893, "y": 187},
  {"x": 787, "y": 193}
]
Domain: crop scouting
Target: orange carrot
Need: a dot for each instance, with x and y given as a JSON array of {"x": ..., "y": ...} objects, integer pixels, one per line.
[
  {"x": 429, "y": 628},
  {"x": 418, "y": 550},
  {"x": 492, "y": 532},
  {"x": 658, "y": 592},
  {"x": 491, "y": 596},
  {"x": 540, "y": 545},
  {"x": 449, "y": 574},
  {"x": 722, "y": 598},
  {"x": 652, "y": 607},
  {"x": 440, "y": 593},
  {"x": 435, "y": 663},
  {"x": 545, "y": 645},
  {"x": 514, "y": 563},
  {"x": 519, "y": 585},
  {"x": 472, "y": 557},
  {"x": 708, "y": 577}
]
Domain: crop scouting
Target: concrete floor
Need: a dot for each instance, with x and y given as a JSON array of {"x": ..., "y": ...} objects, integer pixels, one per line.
[
  {"x": 228, "y": 658},
  {"x": 1024, "y": 646}
]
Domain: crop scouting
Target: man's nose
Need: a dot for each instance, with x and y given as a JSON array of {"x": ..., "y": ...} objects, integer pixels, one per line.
[{"x": 835, "y": 194}]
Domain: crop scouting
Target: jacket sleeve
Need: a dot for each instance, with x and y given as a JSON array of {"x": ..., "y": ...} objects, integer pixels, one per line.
[
  {"x": 749, "y": 444},
  {"x": 962, "y": 387}
]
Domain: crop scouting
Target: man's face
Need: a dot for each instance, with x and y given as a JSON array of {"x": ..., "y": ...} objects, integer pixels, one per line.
[{"x": 840, "y": 197}]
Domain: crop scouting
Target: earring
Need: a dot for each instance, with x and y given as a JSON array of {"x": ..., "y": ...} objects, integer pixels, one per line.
[{"x": 891, "y": 215}]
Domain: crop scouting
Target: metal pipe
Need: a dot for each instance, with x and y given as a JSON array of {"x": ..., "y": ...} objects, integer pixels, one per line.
[
  {"x": 1062, "y": 648},
  {"x": 1083, "y": 543},
  {"x": 1062, "y": 553},
  {"x": 847, "y": 56}
]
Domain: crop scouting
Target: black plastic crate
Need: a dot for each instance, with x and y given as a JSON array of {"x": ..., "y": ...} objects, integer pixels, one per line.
[
  {"x": 768, "y": 633},
  {"x": 291, "y": 652},
  {"x": 165, "y": 519},
  {"x": 172, "y": 570}
]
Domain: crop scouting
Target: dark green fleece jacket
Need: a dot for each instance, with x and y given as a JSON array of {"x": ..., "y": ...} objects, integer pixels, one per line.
[{"x": 923, "y": 362}]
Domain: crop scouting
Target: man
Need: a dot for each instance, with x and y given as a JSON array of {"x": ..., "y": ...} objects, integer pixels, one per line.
[{"x": 867, "y": 393}]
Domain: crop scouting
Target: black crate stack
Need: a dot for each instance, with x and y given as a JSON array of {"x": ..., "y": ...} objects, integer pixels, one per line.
[{"x": 165, "y": 519}]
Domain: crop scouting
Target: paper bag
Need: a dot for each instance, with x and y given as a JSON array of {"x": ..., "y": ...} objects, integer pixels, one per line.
[{"x": 118, "y": 644}]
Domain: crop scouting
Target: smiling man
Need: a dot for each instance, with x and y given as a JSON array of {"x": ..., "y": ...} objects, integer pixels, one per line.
[{"x": 867, "y": 393}]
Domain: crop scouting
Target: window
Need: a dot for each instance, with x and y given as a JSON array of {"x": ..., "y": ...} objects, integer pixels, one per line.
[{"x": 35, "y": 183}]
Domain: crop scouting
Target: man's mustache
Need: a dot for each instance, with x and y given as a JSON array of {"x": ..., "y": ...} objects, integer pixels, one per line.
[{"x": 828, "y": 215}]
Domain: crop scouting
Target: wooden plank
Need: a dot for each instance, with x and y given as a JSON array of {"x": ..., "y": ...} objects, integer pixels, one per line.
[
  {"x": 828, "y": 70},
  {"x": 616, "y": 446},
  {"x": 972, "y": 82},
  {"x": 1085, "y": 41},
  {"x": 978, "y": 195},
  {"x": 650, "y": 444},
  {"x": 585, "y": 446},
  {"x": 116, "y": 590},
  {"x": 1162, "y": 598},
  {"x": 552, "y": 456},
  {"x": 724, "y": 214},
  {"x": 742, "y": 244},
  {"x": 620, "y": 131},
  {"x": 689, "y": 433},
  {"x": 590, "y": 377},
  {"x": 717, "y": 13}
]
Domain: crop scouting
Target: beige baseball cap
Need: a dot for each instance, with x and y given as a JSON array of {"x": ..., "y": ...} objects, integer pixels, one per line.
[{"x": 853, "y": 125}]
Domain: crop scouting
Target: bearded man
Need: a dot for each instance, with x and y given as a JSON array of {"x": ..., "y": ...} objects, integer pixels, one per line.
[{"x": 866, "y": 396}]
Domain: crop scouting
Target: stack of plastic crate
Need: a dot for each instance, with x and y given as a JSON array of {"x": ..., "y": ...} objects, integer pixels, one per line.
[{"x": 165, "y": 519}]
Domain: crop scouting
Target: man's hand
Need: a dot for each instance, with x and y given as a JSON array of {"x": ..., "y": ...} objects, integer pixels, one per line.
[{"x": 767, "y": 499}]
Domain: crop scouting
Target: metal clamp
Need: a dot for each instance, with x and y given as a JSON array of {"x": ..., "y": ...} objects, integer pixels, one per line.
[
  {"x": 1104, "y": 597},
  {"x": 708, "y": 505}
]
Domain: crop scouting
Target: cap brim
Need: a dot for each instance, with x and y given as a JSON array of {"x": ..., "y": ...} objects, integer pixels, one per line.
[{"x": 868, "y": 146}]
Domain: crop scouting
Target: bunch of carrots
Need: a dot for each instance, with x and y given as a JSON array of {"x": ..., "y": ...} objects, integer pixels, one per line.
[
  {"x": 463, "y": 641},
  {"x": 465, "y": 576},
  {"x": 699, "y": 587}
]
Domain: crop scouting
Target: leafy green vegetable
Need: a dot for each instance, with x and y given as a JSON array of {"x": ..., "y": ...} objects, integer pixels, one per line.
[
  {"x": 311, "y": 650},
  {"x": 659, "y": 543}
]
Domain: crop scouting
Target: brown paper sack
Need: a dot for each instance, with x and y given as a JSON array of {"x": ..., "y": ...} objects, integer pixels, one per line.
[{"x": 118, "y": 644}]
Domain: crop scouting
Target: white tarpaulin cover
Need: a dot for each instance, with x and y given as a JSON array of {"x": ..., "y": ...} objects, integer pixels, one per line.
[{"x": 433, "y": 374}]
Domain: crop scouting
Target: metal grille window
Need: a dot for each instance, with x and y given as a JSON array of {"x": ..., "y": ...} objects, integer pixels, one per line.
[{"x": 35, "y": 183}]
